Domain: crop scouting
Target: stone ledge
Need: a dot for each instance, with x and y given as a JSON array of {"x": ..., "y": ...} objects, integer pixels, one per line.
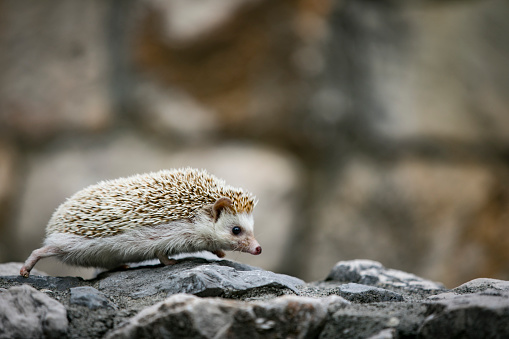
[{"x": 218, "y": 298}]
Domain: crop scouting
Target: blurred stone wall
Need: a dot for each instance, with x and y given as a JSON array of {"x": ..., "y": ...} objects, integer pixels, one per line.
[{"x": 367, "y": 129}]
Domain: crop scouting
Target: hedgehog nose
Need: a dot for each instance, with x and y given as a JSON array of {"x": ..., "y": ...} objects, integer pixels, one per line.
[{"x": 258, "y": 250}]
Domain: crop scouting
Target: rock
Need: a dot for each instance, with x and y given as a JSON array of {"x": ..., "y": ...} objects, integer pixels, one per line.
[
  {"x": 176, "y": 113},
  {"x": 158, "y": 301},
  {"x": 388, "y": 333},
  {"x": 478, "y": 315},
  {"x": 194, "y": 276},
  {"x": 357, "y": 293},
  {"x": 427, "y": 64},
  {"x": 370, "y": 272},
  {"x": 12, "y": 268},
  {"x": 28, "y": 313},
  {"x": 482, "y": 284},
  {"x": 367, "y": 294},
  {"x": 399, "y": 319},
  {"x": 353, "y": 326},
  {"x": 182, "y": 47},
  {"x": 45, "y": 91},
  {"x": 42, "y": 282},
  {"x": 188, "y": 316},
  {"x": 89, "y": 297}
]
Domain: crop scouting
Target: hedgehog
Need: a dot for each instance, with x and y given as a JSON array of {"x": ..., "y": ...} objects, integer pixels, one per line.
[{"x": 149, "y": 216}]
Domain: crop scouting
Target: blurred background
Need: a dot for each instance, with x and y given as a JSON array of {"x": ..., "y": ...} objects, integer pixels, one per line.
[{"x": 367, "y": 129}]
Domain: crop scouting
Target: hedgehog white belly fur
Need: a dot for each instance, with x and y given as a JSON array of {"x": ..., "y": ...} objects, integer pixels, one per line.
[{"x": 149, "y": 216}]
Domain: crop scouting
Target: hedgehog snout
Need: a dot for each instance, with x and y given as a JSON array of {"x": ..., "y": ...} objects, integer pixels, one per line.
[
  {"x": 255, "y": 251},
  {"x": 254, "y": 248}
]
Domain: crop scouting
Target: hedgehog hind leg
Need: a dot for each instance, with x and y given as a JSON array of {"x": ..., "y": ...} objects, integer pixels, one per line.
[
  {"x": 38, "y": 254},
  {"x": 163, "y": 258}
]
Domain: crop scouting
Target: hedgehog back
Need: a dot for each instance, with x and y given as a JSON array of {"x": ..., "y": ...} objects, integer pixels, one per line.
[{"x": 113, "y": 206}]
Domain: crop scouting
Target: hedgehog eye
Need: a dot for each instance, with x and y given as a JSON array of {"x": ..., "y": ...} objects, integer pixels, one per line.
[{"x": 236, "y": 230}]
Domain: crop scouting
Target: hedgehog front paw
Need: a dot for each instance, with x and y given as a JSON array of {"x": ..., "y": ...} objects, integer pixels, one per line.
[
  {"x": 219, "y": 253},
  {"x": 165, "y": 260}
]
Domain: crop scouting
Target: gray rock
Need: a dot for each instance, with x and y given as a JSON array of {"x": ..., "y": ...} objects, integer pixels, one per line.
[
  {"x": 77, "y": 98},
  {"x": 482, "y": 284},
  {"x": 387, "y": 333},
  {"x": 89, "y": 297},
  {"x": 353, "y": 327},
  {"x": 479, "y": 315},
  {"x": 370, "y": 272},
  {"x": 28, "y": 313},
  {"x": 60, "y": 284},
  {"x": 380, "y": 321},
  {"x": 188, "y": 316},
  {"x": 194, "y": 276},
  {"x": 367, "y": 294},
  {"x": 353, "y": 292},
  {"x": 148, "y": 301}
]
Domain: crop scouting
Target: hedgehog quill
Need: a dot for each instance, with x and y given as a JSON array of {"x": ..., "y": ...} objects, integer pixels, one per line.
[{"x": 148, "y": 216}]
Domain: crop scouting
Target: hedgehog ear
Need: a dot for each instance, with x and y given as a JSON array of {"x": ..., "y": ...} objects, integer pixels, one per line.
[{"x": 220, "y": 205}]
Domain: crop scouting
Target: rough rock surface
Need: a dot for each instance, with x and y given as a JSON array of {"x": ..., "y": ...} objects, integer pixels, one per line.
[
  {"x": 199, "y": 277},
  {"x": 28, "y": 313},
  {"x": 287, "y": 316},
  {"x": 372, "y": 273},
  {"x": 477, "y": 315},
  {"x": 219, "y": 298},
  {"x": 89, "y": 297}
]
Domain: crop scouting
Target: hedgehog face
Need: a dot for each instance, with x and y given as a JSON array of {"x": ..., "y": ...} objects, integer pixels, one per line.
[{"x": 234, "y": 231}]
